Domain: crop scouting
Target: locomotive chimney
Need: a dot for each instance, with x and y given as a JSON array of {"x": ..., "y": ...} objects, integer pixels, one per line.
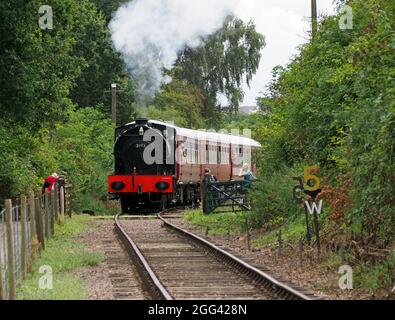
[{"x": 141, "y": 121}]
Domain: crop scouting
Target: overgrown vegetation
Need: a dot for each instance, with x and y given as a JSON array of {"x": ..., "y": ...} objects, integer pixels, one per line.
[
  {"x": 64, "y": 254},
  {"x": 333, "y": 105},
  {"x": 55, "y": 94}
]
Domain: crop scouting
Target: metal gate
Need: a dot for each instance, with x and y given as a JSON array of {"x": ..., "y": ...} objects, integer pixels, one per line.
[{"x": 231, "y": 195}]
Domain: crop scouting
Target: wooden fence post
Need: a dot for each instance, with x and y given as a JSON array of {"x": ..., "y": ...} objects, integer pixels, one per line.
[
  {"x": 56, "y": 202},
  {"x": 68, "y": 200},
  {"x": 32, "y": 215},
  {"x": 10, "y": 250},
  {"x": 46, "y": 214},
  {"x": 1, "y": 280},
  {"x": 23, "y": 237},
  {"x": 39, "y": 221},
  {"x": 62, "y": 203},
  {"x": 32, "y": 226},
  {"x": 53, "y": 208}
]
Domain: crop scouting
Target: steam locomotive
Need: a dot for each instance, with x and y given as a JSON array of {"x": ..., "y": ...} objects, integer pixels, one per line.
[{"x": 159, "y": 164}]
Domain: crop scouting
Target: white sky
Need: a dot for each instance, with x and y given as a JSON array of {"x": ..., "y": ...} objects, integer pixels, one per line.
[{"x": 284, "y": 23}]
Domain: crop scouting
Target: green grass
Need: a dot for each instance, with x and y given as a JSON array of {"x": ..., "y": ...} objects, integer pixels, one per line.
[
  {"x": 220, "y": 223},
  {"x": 63, "y": 253},
  {"x": 291, "y": 231},
  {"x": 333, "y": 261},
  {"x": 375, "y": 276},
  {"x": 217, "y": 223}
]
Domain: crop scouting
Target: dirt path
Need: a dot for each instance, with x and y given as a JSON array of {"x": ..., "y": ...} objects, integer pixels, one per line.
[{"x": 115, "y": 278}]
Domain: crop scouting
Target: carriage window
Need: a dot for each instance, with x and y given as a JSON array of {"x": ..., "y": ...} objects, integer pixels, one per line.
[{"x": 197, "y": 160}]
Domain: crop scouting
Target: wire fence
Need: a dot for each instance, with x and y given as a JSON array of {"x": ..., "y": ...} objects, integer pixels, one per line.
[{"x": 25, "y": 225}]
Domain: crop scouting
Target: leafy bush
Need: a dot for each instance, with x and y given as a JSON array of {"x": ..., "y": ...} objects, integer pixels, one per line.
[
  {"x": 80, "y": 148},
  {"x": 84, "y": 152},
  {"x": 272, "y": 196},
  {"x": 334, "y": 105}
]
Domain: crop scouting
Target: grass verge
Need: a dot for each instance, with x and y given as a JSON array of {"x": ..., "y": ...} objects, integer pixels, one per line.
[
  {"x": 63, "y": 254},
  {"x": 217, "y": 223},
  {"x": 234, "y": 223}
]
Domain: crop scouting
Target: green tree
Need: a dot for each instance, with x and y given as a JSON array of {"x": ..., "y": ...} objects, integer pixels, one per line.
[
  {"x": 334, "y": 105},
  {"x": 181, "y": 99},
  {"x": 102, "y": 67},
  {"x": 224, "y": 61},
  {"x": 38, "y": 67}
]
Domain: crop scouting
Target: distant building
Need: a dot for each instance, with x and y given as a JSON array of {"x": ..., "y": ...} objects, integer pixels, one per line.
[
  {"x": 248, "y": 109},
  {"x": 242, "y": 109}
]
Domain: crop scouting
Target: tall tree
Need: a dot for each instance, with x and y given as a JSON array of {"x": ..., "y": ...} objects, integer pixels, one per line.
[
  {"x": 226, "y": 59},
  {"x": 37, "y": 66}
]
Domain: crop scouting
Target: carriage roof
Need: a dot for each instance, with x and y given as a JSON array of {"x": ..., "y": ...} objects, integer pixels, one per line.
[{"x": 209, "y": 135}]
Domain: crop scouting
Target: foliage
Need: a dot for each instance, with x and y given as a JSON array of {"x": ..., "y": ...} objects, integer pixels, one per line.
[
  {"x": 63, "y": 254},
  {"x": 85, "y": 153},
  {"x": 272, "y": 196},
  {"x": 333, "y": 105},
  {"x": 217, "y": 223},
  {"x": 80, "y": 148},
  {"x": 103, "y": 66},
  {"x": 378, "y": 275},
  {"x": 226, "y": 59},
  {"x": 291, "y": 231},
  {"x": 179, "y": 102},
  {"x": 37, "y": 67},
  {"x": 108, "y": 7}
]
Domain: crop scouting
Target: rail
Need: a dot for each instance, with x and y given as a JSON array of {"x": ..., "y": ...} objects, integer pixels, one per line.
[
  {"x": 143, "y": 266},
  {"x": 270, "y": 284},
  {"x": 253, "y": 273}
]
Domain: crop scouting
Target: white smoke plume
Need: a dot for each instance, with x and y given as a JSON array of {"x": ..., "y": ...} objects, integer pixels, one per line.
[{"x": 150, "y": 33}]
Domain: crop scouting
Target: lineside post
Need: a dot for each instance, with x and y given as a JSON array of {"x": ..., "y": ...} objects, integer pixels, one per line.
[
  {"x": 53, "y": 211},
  {"x": 1, "y": 280},
  {"x": 56, "y": 195},
  {"x": 39, "y": 221},
  {"x": 314, "y": 18},
  {"x": 10, "y": 250},
  {"x": 46, "y": 213},
  {"x": 33, "y": 237},
  {"x": 23, "y": 236},
  {"x": 61, "y": 204}
]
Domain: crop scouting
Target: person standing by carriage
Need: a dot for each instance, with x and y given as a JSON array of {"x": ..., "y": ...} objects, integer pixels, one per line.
[{"x": 248, "y": 176}]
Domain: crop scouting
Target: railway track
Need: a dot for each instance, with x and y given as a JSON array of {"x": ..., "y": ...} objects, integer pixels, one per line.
[{"x": 175, "y": 264}]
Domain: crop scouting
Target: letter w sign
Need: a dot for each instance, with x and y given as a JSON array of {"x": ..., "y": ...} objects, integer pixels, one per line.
[{"x": 314, "y": 207}]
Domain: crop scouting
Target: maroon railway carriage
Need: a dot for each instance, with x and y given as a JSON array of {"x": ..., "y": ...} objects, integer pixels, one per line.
[{"x": 157, "y": 164}]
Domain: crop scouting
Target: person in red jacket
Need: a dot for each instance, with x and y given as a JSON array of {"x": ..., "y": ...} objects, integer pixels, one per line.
[{"x": 49, "y": 182}]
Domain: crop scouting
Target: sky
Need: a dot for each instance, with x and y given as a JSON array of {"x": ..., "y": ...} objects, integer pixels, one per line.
[{"x": 285, "y": 25}]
